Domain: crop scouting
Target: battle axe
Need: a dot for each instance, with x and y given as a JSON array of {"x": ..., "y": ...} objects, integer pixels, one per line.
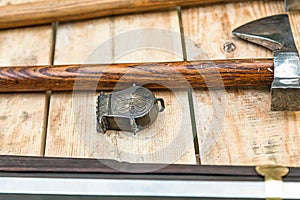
[
  {"x": 275, "y": 34},
  {"x": 272, "y": 32}
]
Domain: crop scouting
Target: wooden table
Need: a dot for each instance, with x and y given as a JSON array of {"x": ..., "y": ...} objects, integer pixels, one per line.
[{"x": 233, "y": 128}]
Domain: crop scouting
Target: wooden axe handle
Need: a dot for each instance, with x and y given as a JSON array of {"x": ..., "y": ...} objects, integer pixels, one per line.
[
  {"x": 43, "y": 12},
  {"x": 197, "y": 74}
]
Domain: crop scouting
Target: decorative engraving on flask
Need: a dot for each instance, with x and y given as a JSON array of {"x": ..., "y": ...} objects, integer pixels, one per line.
[{"x": 132, "y": 109}]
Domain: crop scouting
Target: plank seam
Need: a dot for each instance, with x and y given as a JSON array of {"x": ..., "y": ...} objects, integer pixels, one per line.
[
  {"x": 189, "y": 92},
  {"x": 48, "y": 93}
]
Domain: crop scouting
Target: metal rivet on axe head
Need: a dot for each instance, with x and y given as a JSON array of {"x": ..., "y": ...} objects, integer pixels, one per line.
[{"x": 275, "y": 33}]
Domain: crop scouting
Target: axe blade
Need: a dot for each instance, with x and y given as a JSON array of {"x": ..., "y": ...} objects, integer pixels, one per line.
[{"x": 275, "y": 33}]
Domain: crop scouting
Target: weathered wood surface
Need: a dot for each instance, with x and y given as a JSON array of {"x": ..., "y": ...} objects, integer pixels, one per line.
[
  {"x": 43, "y": 12},
  {"x": 239, "y": 130},
  {"x": 250, "y": 134},
  {"x": 197, "y": 74},
  {"x": 72, "y": 120},
  {"x": 22, "y": 115}
]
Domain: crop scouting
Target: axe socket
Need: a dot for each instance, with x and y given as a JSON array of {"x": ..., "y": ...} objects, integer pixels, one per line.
[{"x": 285, "y": 90}]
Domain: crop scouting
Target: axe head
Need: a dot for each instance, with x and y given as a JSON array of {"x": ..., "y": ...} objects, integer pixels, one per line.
[{"x": 275, "y": 34}]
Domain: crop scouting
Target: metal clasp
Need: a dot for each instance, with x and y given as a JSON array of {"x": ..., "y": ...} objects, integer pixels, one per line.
[{"x": 273, "y": 180}]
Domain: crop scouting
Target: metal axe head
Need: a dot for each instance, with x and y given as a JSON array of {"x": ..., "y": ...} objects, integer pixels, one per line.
[{"x": 275, "y": 33}]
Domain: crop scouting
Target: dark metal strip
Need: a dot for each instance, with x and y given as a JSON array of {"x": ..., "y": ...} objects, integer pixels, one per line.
[
  {"x": 292, "y": 5},
  {"x": 83, "y": 165},
  {"x": 27, "y": 164}
]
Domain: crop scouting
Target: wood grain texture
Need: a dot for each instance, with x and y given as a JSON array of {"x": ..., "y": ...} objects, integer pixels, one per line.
[
  {"x": 246, "y": 132},
  {"x": 4, "y": 3},
  {"x": 42, "y": 12},
  {"x": 209, "y": 38},
  {"x": 72, "y": 124},
  {"x": 22, "y": 115},
  {"x": 177, "y": 75}
]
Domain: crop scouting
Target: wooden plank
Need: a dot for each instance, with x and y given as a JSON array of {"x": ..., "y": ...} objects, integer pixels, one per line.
[
  {"x": 13, "y": 2},
  {"x": 43, "y": 12},
  {"x": 72, "y": 120},
  {"x": 250, "y": 134},
  {"x": 22, "y": 115},
  {"x": 210, "y": 37}
]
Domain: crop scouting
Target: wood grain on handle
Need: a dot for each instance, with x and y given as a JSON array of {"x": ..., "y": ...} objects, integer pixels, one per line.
[
  {"x": 43, "y": 12},
  {"x": 199, "y": 74}
]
